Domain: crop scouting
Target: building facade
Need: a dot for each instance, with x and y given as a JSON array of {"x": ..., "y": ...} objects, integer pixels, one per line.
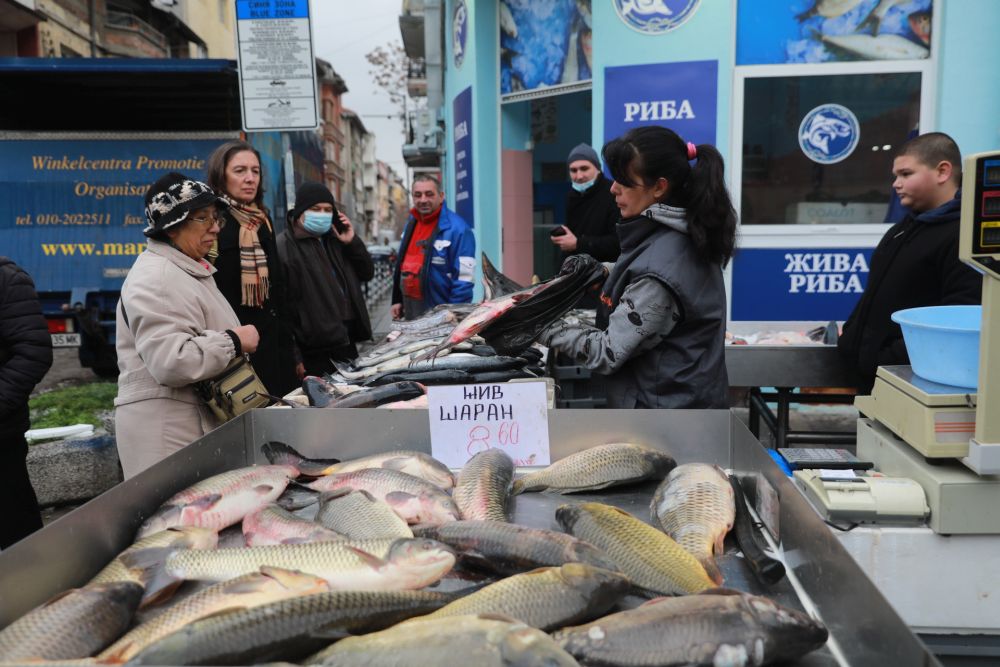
[{"x": 807, "y": 108}]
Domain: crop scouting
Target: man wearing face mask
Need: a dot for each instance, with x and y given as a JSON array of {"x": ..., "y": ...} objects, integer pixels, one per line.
[
  {"x": 591, "y": 212},
  {"x": 325, "y": 264}
]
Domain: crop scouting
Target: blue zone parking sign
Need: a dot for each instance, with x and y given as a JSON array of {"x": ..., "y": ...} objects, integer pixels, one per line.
[{"x": 798, "y": 284}]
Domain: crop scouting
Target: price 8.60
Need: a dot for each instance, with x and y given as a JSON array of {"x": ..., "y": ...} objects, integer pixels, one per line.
[{"x": 503, "y": 434}]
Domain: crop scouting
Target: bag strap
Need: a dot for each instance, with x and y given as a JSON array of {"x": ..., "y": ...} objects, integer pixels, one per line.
[{"x": 121, "y": 304}]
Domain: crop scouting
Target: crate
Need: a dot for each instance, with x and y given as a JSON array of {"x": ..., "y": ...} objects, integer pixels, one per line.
[{"x": 577, "y": 386}]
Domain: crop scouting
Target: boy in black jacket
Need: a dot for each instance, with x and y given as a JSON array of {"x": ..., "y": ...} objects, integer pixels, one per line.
[{"x": 916, "y": 262}]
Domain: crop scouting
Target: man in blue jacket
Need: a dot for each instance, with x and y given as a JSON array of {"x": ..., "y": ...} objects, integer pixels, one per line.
[{"x": 436, "y": 256}]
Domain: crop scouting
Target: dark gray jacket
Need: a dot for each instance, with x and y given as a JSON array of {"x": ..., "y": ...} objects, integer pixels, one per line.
[{"x": 661, "y": 325}]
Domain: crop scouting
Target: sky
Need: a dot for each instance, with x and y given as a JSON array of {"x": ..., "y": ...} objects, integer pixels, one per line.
[{"x": 343, "y": 32}]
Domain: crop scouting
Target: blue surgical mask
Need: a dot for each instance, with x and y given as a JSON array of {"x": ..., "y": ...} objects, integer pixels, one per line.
[
  {"x": 583, "y": 187},
  {"x": 317, "y": 223}
]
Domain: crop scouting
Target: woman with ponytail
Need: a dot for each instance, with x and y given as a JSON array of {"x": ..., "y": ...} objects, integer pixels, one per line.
[{"x": 662, "y": 317}]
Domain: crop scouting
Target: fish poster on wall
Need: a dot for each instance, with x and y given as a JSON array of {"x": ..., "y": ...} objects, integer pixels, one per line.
[
  {"x": 819, "y": 31},
  {"x": 544, "y": 43}
]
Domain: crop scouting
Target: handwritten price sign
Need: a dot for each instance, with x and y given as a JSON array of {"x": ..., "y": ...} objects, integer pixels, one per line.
[{"x": 468, "y": 419}]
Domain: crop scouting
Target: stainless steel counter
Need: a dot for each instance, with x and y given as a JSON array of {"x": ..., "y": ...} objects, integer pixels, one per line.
[{"x": 864, "y": 628}]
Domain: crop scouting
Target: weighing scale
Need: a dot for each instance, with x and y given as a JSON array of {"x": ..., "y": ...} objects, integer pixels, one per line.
[{"x": 942, "y": 422}]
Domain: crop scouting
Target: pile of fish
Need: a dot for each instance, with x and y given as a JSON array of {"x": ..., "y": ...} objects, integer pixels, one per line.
[
  {"x": 392, "y": 559},
  {"x": 842, "y": 30}
]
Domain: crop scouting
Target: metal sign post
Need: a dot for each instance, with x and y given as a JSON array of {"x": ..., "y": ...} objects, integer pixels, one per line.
[{"x": 277, "y": 69}]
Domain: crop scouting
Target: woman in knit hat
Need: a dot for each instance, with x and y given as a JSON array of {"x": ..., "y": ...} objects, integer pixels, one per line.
[
  {"x": 249, "y": 272},
  {"x": 325, "y": 262},
  {"x": 174, "y": 326}
]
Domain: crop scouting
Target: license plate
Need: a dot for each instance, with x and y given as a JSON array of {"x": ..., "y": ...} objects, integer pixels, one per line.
[{"x": 66, "y": 340}]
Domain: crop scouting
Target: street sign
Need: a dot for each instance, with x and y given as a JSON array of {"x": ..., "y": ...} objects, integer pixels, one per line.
[{"x": 276, "y": 65}]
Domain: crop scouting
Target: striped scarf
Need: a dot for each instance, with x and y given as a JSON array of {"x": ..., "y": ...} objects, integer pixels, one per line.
[{"x": 254, "y": 279}]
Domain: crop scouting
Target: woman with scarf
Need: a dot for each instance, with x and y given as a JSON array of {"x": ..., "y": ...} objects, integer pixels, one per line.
[
  {"x": 248, "y": 271},
  {"x": 662, "y": 315}
]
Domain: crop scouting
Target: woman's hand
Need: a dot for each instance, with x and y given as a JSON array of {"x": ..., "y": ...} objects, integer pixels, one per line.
[
  {"x": 347, "y": 235},
  {"x": 249, "y": 338}
]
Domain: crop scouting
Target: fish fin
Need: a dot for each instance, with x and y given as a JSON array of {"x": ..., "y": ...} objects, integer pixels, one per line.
[
  {"x": 712, "y": 570},
  {"x": 329, "y": 634},
  {"x": 263, "y": 489},
  {"x": 284, "y": 576},
  {"x": 497, "y": 617},
  {"x": 296, "y": 496},
  {"x": 656, "y": 600},
  {"x": 519, "y": 486},
  {"x": 118, "y": 657},
  {"x": 719, "y": 546},
  {"x": 278, "y": 453},
  {"x": 398, "y": 497},
  {"x": 720, "y": 590},
  {"x": 396, "y": 463},
  {"x": 151, "y": 565},
  {"x": 296, "y": 540},
  {"x": 370, "y": 559},
  {"x": 205, "y": 502}
]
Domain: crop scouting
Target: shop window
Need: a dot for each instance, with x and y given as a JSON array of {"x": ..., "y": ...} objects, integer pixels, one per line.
[{"x": 818, "y": 149}]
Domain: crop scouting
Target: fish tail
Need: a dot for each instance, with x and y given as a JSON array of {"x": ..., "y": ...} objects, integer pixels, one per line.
[
  {"x": 150, "y": 564},
  {"x": 712, "y": 569},
  {"x": 278, "y": 453}
]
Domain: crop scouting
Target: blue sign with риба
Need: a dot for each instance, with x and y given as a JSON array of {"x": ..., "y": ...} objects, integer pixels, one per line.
[
  {"x": 680, "y": 96},
  {"x": 271, "y": 9},
  {"x": 462, "y": 117},
  {"x": 655, "y": 16},
  {"x": 829, "y": 133},
  {"x": 798, "y": 284}
]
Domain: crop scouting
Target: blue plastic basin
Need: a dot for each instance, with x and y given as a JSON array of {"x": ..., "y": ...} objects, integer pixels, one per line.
[{"x": 943, "y": 342}]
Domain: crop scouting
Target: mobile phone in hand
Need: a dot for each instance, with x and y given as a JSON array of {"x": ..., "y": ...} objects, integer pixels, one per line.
[
  {"x": 337, "y": 224},
  {"x": 558, "y": 231}
]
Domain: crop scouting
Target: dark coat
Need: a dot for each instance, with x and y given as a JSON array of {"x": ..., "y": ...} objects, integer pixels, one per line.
[
  {"x": 592, "y": 216},
  {"x": 25, "y": 347},
  {"x": 687, "y": 369},
  {"x": 915, "y": 264},
  {"x": 324, "y": 289},
  {"x": 274, "y": 359}
]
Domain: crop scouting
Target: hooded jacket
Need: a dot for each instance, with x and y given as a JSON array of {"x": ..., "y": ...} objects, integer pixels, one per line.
[
  {"x": 449, "y": 261},
  {"x": 592, "y": 215},
  {"x": 25, "y": 347},
  {"x": 915, "y": 264},
  {"x": 661, "y": 325},
  {"x": 324, "y": 287}
]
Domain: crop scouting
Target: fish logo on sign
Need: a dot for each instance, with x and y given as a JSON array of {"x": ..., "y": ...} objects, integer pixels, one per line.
[
  {"x": 655, "y": 16},
  {"x": 459, "y": 31},
  {"x": 829, "y": 133}
]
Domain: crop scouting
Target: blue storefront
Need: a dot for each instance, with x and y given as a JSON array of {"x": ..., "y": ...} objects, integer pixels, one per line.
[{"x": 806, "y": 99}]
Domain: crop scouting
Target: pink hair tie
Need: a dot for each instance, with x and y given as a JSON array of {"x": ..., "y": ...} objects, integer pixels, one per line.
[{"x": 692, "y": 151}]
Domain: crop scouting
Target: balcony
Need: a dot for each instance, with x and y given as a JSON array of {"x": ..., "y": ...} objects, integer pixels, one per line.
[
  {"x": 411, "y": 27},
  {"x": 424, "y": 139},
  {"x": 128, "y": 35},
  {"x": 416, "y": 77}
]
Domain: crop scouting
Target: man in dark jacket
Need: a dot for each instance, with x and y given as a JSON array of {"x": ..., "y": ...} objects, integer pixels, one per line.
[
  {"x": 916, "y": 262},
  {"x": 25, "y": 357},
  {"x": 325, "y": 263},
  {"x": 591, "y": 214}
]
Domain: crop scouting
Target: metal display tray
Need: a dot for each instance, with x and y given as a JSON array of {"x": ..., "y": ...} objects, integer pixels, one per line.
[{"x": 864, "y": 628}]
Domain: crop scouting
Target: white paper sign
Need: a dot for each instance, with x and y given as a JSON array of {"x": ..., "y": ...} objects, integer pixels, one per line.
[
  {"x": 468, "y": 419},
  {"x": 277, "y": 71}
]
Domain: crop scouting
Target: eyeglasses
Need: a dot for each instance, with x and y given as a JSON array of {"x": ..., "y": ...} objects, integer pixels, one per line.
[{"x": 210, "y": 220}]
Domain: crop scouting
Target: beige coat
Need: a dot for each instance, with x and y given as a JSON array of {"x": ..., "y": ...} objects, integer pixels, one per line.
[{"x": 175, "y": 336}]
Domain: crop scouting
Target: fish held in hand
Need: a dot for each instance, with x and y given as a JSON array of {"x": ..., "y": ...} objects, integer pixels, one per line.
[
  {"x": 359, "y": 516},
  {"x": 508, "y": 548},
  {"x": 483, "y": 486},
  {"x": 694, "y": 505},
  {"x": 651, "y": 559},
  {"x": 546, "y": 598},
  {"x": 598, "y": 468},
  {"x": 221, "y": 500},
  {"x": 75, "y": 624},
  {"x": 719, "y": 627}
]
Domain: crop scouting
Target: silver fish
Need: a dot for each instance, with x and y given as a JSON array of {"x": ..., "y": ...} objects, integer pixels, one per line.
[
  {"x": 483, "y": 486},
  {"x": 274, "y": 525},
  {"x": 598, "y": 468},
  {"x": 413, "y": 499},
  {"x": 882, "y": 47},
  {"x": 359, "y": 516}
]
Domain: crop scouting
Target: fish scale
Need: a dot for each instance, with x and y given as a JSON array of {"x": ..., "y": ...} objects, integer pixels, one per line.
[
  {"x": 694, "y": 505},
  {"x": 275, "y": 525},
  {"x": 650, "y": 558},
  {"x": 246, "y": 591},
  {"x": 179, "y": 538},
  {"x": 243, "y": 636},
  {"x": 413, "y": 499},
  {"x": 221, "y": 500},
  {"x": 731, "y": 629},
  {"x": 359, "y": 516},
  {"x": 546, "y": 598},
  {"x": 483, "y": 486},
  {"x": 74, "y": 625},
  {"x": 598, "y": 468}
]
